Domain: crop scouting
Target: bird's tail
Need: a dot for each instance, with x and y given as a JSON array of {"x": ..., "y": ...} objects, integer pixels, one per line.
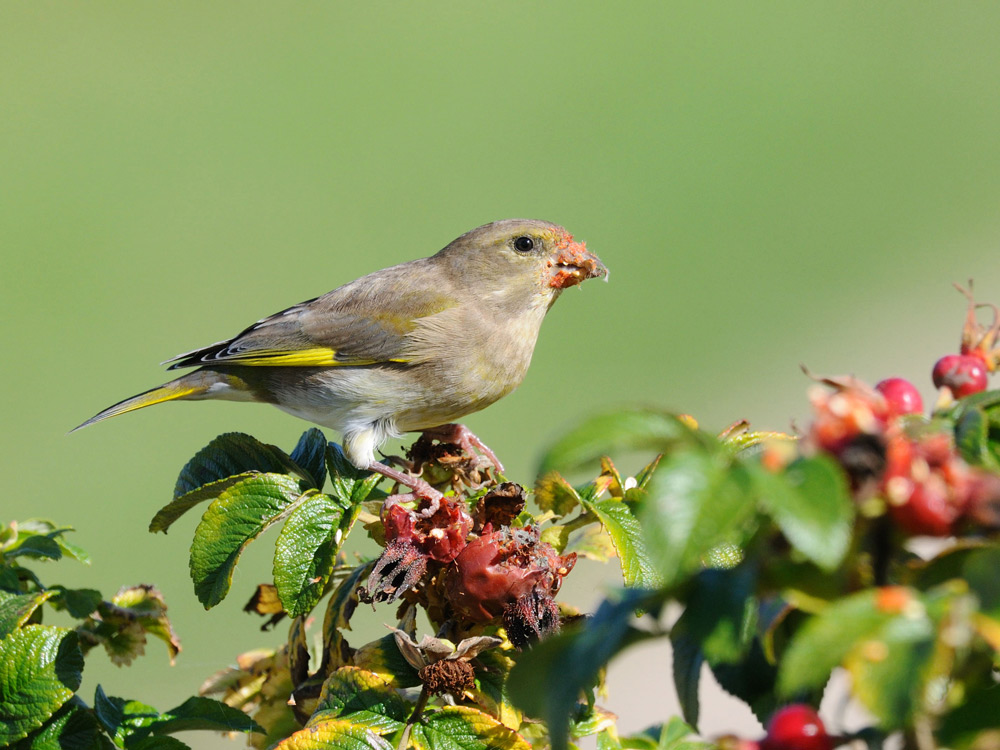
[{"x": 199, "y": 384}]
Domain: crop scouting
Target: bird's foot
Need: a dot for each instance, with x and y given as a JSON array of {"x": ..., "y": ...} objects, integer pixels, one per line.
[
  {"x": 466, "y": 439},
  {"x": 421, "y": 489}
]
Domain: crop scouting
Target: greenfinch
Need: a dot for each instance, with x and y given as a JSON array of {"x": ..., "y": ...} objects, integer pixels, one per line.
[{"x": 411, "y": 348}]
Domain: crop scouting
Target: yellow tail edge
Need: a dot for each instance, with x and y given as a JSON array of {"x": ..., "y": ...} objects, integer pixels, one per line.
[{"x": 175, "y": 389}]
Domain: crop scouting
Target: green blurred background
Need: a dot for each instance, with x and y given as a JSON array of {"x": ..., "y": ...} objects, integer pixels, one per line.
[{"x": 770, "y": 184}]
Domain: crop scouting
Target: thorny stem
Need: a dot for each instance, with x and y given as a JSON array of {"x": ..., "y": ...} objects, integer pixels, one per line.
[{"x": 404, "y": 739}]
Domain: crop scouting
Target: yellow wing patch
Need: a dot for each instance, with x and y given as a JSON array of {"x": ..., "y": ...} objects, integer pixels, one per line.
[{"x": 320, "y": 356}]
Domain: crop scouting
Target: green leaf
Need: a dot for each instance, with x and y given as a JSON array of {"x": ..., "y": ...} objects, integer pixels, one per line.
[
  {"x": 384, "y": 659},
  {"x": 176, "y": 508},
  {"x": 980, "y": 570},
  {"x": 626, "y": 535},
  {"x": 80, "y": 603},
  {"x": 364, "y": 697},
  {"x": 306, "y": 551},
  {"x": 971, "y": 438},
  {"x": 547, "y": 679},
  {"x": 72, "y": 727},
  {"x": 811, "y": 504},
  {"x": 206, "y": 714},
  {"x": 623, "y": 430},
  {"x": 157, "y": 743},
  {"x": 310, "y": 455},
  {"x": 337, "y": 619},
  {"x": 721, "y": 613},
  {"x": 231, "y": 522},
  {"x": 696, "y": 501},
  {"x": 125, "y": 720},
  {"x": 350, "y": 484},
  {"x": 229, "y": 454},
  {"x": 16, "y": 609},
  {"x": 38, "y": 535},
  {"x": 752, "y": 680},
  {"x": 888, "y": 672},
  {"x": 826, "y": 639},
  {"x": 464, "y": 728},
  {"x": 687, "y": 661},
  {"x": 40, "y": 669},
  {"x": 335, "y": 734},
  {"x": 976, "y": 714},
  {"x": 554, "y": 493}
]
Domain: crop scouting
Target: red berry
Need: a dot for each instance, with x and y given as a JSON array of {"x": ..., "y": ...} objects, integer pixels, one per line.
[
  {"x": 964, "y": 374},
  {"x": 901, "y": 396},
  {"x": 796, "y": 727}
]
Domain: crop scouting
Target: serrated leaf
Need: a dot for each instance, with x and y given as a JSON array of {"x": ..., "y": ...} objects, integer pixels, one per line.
[
  {"x": 177, "y": 507},
  {"x": 205, "y": 714},
  {"x": 79, "y": 602},
  {"x": 231, "y": 522},
  {"x": 696, "y": 500},
  {"x": 751, "y": 679},
  {"x": 305, "y": 552},
  {"x": 592, "y": 542},
  {"x": 350, "y": 484},
  {"x": 72, "y": 727},
  {"x": 30, "y": 544},
  {"x": 464, "y": 728},
  {"x": 626, "y": 535},
  {"x": 553, "y": 493},
  {"x": 687, "y": 660},
  {"x": 125, "y": 720},
  {"x": 40, "y": 669},
  {"x": 623, "y": 430},
  {"x": 491, "y": 693},
  {"x": 825, "y": 640},
  {"x": 122, "y": 624},
  {"x": 335, "y": 734},
  {"x": 337, "y": 619},
  {"x": 16, "y": 609},
  {"x": 229, "y": 454},
  {"x": 310, "y": 456},
  {"x": 811, "y": 504},
  {"x": 384, "y": 659},
  {"x": 721, "y": 613},
  {"x": 363, "y": 697},
  {"x": 546, "y": 682}
]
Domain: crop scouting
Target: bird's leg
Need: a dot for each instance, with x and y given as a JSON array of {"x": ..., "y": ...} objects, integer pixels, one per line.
[
  {"x": 464, "y": 438},
  {"x": 421, "y": 489}
]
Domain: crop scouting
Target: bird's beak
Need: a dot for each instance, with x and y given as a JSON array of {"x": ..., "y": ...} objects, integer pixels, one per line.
[{"x": 573, "y": 265}]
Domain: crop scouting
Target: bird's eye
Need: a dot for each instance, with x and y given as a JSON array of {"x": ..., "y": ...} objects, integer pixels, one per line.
[{"x": 524, "y": 244}]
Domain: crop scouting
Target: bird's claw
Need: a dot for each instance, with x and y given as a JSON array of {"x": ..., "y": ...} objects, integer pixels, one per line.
[{"x": 466, "y": 439}]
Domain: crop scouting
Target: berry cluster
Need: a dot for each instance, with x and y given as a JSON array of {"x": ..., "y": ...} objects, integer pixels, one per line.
[
  {"x": 479, "y": 568},
  {"x": 888, "y": 451}
]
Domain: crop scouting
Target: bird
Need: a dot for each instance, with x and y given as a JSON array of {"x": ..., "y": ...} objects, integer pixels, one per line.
[{"x": 411, "y": 348}]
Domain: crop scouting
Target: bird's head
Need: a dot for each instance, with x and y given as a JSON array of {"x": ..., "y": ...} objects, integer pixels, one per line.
[{"x": 521, "y": 260}]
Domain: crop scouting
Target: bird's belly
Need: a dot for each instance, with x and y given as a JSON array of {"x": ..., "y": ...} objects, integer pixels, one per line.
[{"x": 400, "y": 397}]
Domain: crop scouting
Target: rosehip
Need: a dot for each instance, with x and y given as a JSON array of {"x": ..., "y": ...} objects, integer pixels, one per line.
[
  {"x": 964, "y": 374},
  {"x": 796, "y": 727},
  {"x": 901, "y": 396}
]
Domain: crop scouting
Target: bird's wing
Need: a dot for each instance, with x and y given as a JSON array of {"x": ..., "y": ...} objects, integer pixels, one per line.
[{"x": 362, "y": 323}]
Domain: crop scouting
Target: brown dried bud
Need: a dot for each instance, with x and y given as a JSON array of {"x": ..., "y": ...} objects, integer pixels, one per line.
[
  {"x": 453, "y": 676},
  {"x": 501, "y": 505},
  {"x": 530, "y": 618},
  {"x": 399, "y": 569}
]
